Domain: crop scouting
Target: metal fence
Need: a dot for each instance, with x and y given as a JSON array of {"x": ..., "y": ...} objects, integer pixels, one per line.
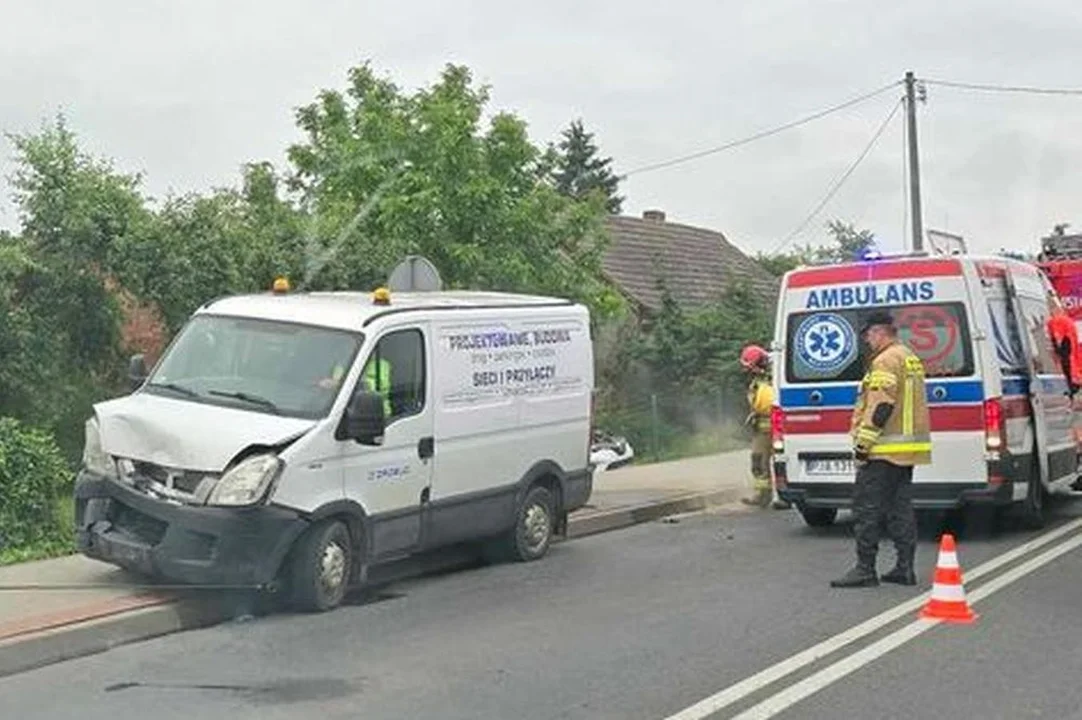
[{"x": 668, "y": 426}]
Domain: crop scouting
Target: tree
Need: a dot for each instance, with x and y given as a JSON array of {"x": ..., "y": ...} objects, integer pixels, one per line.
[
  {"x": 61, "y": 344},
  {"x": 72, "y": 207},
  {"x": 578, "y": 171},
  {"x": 780, "y": 263},
  {"x": 383, "y": 173},
  {"x": 683, "y": 364},
  {"x": 847, "y": 244}
]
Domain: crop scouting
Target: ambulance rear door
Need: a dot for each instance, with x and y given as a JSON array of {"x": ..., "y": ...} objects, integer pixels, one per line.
[
  {"x": 824, "y": 362},
  {"x": 1047, "y": 386}
]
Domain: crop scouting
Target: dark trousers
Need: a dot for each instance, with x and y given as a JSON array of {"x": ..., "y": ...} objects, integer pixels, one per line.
[{"x": 884, "y": 495}]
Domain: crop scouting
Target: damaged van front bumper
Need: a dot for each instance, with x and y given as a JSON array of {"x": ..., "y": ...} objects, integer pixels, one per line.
[{"x": 190, "y": 544}]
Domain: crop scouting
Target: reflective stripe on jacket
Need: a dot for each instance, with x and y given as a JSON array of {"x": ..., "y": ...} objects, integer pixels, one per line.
[{"x": 895, "y": 376}]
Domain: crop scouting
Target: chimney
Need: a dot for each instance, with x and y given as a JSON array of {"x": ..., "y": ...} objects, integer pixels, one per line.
[{"x": 655, "y": 215}]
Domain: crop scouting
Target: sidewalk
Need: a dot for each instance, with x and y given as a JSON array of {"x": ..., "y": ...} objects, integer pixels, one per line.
[
  {"x": 640, "y": 493},
  {"x": 74, "y": 606}
]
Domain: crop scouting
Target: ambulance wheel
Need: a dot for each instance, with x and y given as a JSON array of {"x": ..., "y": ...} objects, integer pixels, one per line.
[
  {"x": 320, "y": 567},
  {"x": 1032, "y": 510},
  {"x": 818, "y": 517},
  {"x": 534, "y": 524}
]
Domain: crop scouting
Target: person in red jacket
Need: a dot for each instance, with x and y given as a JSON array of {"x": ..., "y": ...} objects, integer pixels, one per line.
[{"x": 1064, "y": 335}]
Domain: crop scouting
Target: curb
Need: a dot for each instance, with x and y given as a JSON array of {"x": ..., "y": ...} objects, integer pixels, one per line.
[
  {"x": 28, "y": 652},
  {"x": 34, "y": 649},
  {"x": 600, "y": 522}
]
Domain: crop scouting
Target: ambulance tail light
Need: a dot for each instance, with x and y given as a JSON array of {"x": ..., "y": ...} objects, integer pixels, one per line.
[
  {"x": 993, "y": 424},
  {"x": 777, "y": 428}
]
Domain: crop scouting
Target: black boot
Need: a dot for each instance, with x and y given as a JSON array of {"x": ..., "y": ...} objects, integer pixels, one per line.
[
  {"x": 859, "y": 577},
  {"x": 900, "y": 576}
]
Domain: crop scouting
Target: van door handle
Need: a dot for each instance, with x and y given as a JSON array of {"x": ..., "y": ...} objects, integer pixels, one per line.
[{"x": 426, "y": 447}]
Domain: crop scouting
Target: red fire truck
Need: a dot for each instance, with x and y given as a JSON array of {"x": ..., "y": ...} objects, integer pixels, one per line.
[{"x": 1061, "y": 261}]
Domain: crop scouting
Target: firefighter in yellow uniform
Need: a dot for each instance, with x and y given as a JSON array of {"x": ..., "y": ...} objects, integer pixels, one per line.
[
  {"x": 891, "y": 435},
  {"x": 756, "y": 362}
]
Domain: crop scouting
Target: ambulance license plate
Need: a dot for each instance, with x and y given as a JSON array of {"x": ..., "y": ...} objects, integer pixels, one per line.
[{"x": 829, "y": 467}]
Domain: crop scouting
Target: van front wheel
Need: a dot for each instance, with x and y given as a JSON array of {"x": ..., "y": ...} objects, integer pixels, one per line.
[{"x": 320, "y": 567}]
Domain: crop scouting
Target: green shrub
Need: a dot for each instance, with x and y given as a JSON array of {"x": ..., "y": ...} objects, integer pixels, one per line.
[{"x": 34, "y": 484}]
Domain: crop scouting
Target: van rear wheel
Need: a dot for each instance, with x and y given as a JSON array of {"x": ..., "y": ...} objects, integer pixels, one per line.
[
  {"x": 532, "y": 533},
  {"x": 818, "y": 517}
]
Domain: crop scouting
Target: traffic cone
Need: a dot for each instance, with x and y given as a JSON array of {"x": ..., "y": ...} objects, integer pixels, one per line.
[{"x": 948, "y": 601}]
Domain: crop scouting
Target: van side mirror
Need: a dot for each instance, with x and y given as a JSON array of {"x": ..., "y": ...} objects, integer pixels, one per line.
[
  {"x": 137, "y": 371},
  {"x": 365, "y": 420}
]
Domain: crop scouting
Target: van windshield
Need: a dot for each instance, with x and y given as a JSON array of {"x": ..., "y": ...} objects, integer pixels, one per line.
[
  {"x": 272, "y": 367},
  {"x": 825, "y": 346}
]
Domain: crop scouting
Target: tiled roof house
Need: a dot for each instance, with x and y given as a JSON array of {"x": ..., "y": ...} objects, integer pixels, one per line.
[{"x": 696, "y": 264}]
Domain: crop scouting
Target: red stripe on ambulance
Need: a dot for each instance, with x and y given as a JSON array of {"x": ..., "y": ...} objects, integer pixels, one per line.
[
  {"x": 945, "y": 418},
  {"x": 874, "y": 271}
]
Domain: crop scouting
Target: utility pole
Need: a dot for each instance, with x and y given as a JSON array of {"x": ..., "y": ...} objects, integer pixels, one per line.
[{"x": 914, "y": 160}]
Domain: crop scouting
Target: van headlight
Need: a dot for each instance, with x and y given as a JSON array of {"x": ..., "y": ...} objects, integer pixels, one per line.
[
  {"x": 247, "y": 482},
  {"x": 95, "y": 459}
]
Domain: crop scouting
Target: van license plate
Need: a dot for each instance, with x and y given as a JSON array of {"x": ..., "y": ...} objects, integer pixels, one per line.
[{"x": 829, "y": 467}]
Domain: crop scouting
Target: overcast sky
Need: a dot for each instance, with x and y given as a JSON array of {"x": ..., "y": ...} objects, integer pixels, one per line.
[{"x": 187, "y": 90}]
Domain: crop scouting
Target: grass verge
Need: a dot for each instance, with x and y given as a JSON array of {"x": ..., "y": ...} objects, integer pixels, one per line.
[{"x": 63, "y": 544}]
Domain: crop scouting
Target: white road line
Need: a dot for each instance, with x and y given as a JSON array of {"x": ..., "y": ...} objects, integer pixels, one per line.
[
  {"x": 736, "y": 692},
  {"x": 795, "y": 693},
  {"x": 814, "y": 683}
]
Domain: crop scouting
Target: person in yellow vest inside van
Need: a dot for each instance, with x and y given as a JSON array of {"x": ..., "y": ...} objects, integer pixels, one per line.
[
  {"x": 891, "y": 432},
  {"x": 377, "y": 379},
  {"x": 756, "y": 362}
]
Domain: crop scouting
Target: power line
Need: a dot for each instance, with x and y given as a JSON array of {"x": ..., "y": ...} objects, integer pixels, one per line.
[
  {"x": 1004, "y": 88},
  {"x": 759, "y": 135},
  {"x": 840, "y": 181}
]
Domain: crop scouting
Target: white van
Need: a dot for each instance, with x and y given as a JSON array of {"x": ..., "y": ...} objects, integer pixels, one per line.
[
  {"x": 1002, "y": 420},
  {"x": 300, "y": 438}
]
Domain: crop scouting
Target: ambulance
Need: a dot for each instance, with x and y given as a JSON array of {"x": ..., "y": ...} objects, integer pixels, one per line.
[
  {"x": 1002, "y": 418},
  {"x": 293, "y": 440}
]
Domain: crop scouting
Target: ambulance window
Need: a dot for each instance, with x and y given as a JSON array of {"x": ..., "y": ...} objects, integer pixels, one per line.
[
  {"x": 1007, "y": 337},
  {"x": 824, "y": 345},
  {"x": 939, "y": 335},
  {"x": 402, "y": 355},
  {"x": 1035, "y": 315}
]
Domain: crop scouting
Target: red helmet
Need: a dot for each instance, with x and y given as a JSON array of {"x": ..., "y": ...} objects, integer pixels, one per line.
[{"x": 753, "y": 357}]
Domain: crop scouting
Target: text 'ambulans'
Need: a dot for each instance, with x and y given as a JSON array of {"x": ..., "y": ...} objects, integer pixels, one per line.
[{"x": 861, "y": 295}]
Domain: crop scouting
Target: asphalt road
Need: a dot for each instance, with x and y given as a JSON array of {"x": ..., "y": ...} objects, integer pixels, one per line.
[
  {"x": 1022, "y": 660},
  {"x": 638, "y": 623}
]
